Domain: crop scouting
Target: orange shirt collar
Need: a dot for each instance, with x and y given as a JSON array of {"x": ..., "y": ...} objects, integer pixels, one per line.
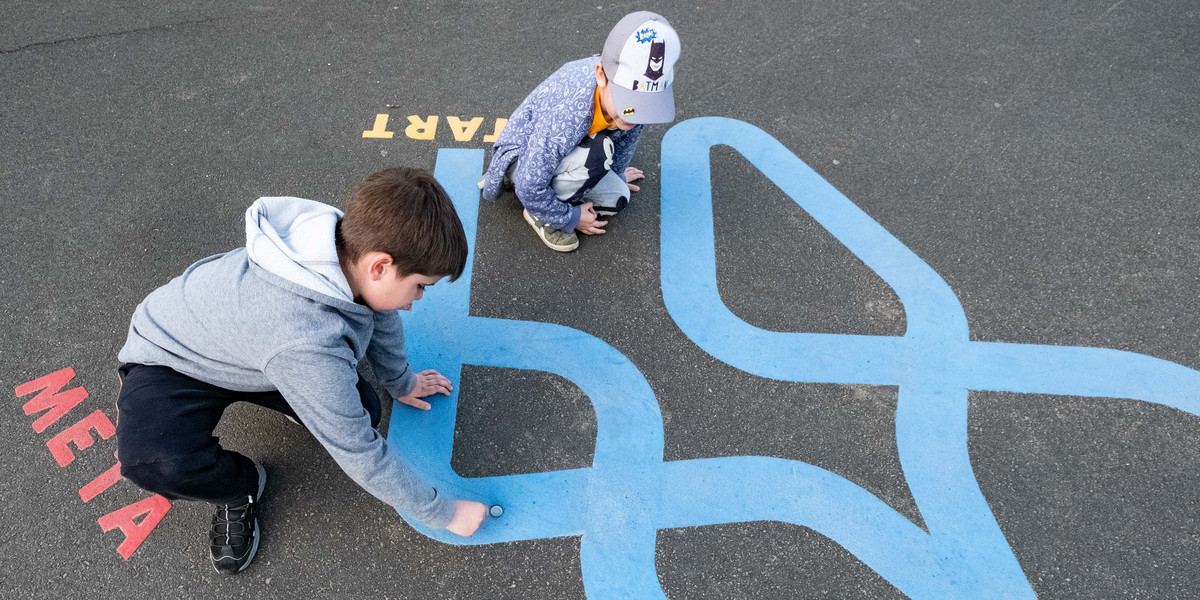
[{"x": 599, "y": 123}]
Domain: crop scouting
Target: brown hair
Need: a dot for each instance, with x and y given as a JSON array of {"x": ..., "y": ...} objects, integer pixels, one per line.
[{"x": 405, "y": 213}]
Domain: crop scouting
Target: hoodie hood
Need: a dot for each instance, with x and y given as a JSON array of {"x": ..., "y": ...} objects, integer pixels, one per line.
[{"x": 294, "y": 239}]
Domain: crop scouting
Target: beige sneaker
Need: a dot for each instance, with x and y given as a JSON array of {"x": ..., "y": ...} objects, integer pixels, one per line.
[{"x": 555, "y": 239}]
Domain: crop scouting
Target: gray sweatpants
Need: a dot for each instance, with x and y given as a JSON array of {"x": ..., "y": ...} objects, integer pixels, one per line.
[{"x": 608, "y": 197}]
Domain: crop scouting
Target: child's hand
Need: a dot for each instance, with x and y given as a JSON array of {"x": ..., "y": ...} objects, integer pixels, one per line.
[
  {"x": 467, "y": 517},
  {"x": 633, "y": 174},
  {"x": 587, "y": 220},
  {"x": 429, "y": 382}
]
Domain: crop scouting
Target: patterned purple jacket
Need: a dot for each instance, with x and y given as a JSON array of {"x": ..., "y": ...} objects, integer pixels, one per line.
[{"x": 548, "y": 124}]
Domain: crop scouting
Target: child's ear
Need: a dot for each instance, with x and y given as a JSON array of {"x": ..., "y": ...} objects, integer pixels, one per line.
[
  {"x": 601, "y": 79},
  {"x": 377, "y": 264}
]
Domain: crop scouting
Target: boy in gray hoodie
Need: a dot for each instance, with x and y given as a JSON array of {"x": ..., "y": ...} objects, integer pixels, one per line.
[{"x": 283, "y": 323}]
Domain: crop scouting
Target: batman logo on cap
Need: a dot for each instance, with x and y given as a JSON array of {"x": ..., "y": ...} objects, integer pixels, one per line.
[
  {"x": 658, "y": 54},
  {"x": 628, "y": 111}
]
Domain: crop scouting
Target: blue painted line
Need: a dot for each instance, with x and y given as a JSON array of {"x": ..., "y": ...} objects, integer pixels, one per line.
[{"x": 619, "y": 503}]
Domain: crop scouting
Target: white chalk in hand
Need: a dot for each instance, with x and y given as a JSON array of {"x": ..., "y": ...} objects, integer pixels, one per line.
[{"x": 496, "y": 510}]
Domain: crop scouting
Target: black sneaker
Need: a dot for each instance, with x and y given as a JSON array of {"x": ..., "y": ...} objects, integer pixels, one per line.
[{"x": 234, "y": 534}]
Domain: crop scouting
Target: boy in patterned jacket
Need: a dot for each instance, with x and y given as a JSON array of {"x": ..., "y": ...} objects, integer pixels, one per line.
[{"x": 566, "y": 149}]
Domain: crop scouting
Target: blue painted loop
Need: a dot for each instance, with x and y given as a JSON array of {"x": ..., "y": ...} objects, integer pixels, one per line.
[{"x": 619, "y": 503}]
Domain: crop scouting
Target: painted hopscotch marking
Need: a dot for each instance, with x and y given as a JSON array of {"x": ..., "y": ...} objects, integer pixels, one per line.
[{"x": 619, "y": 503}]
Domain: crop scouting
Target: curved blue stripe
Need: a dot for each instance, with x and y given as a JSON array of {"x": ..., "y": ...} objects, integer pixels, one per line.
[
  {"x": 688, "y": 245},
  {"x": 1077, "y": 371}
]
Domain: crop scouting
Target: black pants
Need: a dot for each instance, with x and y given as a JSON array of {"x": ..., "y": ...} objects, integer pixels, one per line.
[{"x": 165, "y": 422}]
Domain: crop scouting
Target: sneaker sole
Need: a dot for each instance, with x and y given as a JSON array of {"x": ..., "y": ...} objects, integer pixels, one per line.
[
  {"x": 542, "y": 235},
  {"x": 253, "y": 547},
  {"x": 262, "y": 484},
  {"x": 262, "y": 479}
]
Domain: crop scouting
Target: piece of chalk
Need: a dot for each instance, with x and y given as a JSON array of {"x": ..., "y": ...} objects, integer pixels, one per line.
[{"x": 496, "y": 510}]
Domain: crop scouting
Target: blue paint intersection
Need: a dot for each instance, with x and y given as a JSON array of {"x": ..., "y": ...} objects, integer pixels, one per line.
[{"x": 619, "y": 503}]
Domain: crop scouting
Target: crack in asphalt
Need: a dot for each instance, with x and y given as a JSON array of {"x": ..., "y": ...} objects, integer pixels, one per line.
[{"x": 103, "y": 35}]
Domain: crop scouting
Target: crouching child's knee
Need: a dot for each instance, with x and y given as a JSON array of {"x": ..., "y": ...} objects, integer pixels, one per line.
[{"x": 160, "y": 477}]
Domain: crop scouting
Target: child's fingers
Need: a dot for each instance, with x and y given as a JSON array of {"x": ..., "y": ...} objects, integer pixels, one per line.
[
  {"x": 434, "y": 384},
  {"x": 634, "y": 188},
  {"x": 416, "y": 403}
]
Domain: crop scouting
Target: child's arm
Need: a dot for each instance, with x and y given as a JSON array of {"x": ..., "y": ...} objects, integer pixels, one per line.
[
  {"x": 319, "y": 385},
  {"x": 546, "y": 147},
  {"x": 624, "y": 145},
  {"x": 387, "y": 353},
  {"x": 532, "y": 182}
]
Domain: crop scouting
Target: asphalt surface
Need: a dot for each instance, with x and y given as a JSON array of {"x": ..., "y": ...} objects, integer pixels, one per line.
[{"x": 1040, "y": 157}]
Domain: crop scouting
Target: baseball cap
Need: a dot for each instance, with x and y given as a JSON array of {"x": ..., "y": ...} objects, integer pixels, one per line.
[{"x": 639, "y": 59}]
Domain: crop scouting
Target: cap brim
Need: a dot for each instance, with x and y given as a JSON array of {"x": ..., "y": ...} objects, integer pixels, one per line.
[{"x": 648, "y": 107}]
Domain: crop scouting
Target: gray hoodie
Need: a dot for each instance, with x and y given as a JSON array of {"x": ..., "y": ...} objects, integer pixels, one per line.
[{"x": 279, "y": 315}]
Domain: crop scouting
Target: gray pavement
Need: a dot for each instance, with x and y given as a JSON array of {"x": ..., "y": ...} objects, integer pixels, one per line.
[{"x": 1040, "y": 157}]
